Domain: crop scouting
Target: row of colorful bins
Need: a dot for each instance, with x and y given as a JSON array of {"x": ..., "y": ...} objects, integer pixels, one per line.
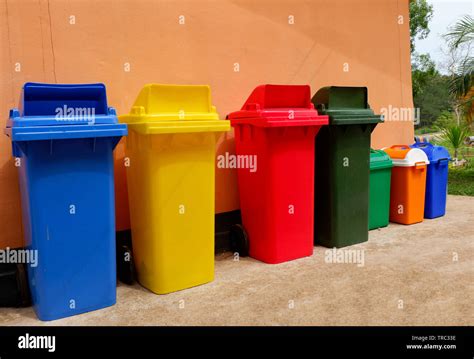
[
  {"x": 415, "y": 188},
  {"x": 303, "y": 192}
]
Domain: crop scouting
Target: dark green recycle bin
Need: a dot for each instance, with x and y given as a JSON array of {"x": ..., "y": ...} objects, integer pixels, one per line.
[
  {"x": 379, "y": 188},
  {"x": 342, "y": 166}
]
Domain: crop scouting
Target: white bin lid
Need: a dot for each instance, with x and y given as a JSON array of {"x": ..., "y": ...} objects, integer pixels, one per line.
[{"x": 404, "y": 156}]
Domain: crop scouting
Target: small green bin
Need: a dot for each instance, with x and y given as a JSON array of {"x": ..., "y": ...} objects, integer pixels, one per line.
[
  {"x": 379, "y": 188},
  {"x": 342, "y": 166}
]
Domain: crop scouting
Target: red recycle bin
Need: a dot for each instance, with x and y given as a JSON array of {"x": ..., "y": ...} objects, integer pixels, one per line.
[{"x": 277, "y": 125}]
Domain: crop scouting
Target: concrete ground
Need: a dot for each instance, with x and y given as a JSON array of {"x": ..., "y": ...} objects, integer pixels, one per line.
[{"x": 421, "y": 274}]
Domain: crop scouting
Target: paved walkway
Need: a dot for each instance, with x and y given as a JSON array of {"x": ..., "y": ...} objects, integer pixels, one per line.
[{"x": 412, "y": 275}]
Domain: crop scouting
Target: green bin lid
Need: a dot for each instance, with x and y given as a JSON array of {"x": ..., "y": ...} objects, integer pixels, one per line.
[
  {"x": 379, "y": 159},
  {"x": 345, "y": 105}
]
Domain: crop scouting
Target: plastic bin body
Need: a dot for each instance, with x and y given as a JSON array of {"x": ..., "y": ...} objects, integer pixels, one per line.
[
  {"x": 436, "y": 179},
  {"x": 342, "y": 166},
  {"x": 379, "y": 189},
  {"x": 407, "y": 192},
  {"x": 278, "y": 125},
  {"x": 67, "y": 192},
  {"x": 171, "y": 147}
]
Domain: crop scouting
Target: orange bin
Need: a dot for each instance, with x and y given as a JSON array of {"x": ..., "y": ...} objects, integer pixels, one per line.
[{"x": 408, "y": 184}]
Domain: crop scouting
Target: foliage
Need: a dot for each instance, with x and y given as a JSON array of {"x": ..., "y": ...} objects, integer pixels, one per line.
[
  {"x": 461, "y": 32},
  {"x": 424, "y": 130},
  {"x": 432, "y": 97},
  {"x": 439, "y": 96},
  {"x": 461, "y": 181},
  {"x": 462, "y": 78},
  {"x": 423, "y": 70},
  {"x": 420, "y": 15},
  {"x": 453, "y": 136},
  {"x": 444, "y": 119}
]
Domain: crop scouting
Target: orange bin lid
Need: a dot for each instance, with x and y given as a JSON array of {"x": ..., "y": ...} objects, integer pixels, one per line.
[
  {"x": 397, "y": 151},
  {"x": 405, "y": 156}
]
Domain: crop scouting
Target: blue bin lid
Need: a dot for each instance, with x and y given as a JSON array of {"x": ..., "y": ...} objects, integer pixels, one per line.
[
  {"x": 59, "y": 111},
  {"x": 433, "y": 152}
]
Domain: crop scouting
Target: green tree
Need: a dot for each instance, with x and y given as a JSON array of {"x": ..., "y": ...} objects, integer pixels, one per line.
[
  {"x": 423, "y": 70},
  {"x": 433, "y": 102},
  {"x": 460, "y": 40},
  {"x": 420, "y": 15},
  {"x": 430, "y": 90}
]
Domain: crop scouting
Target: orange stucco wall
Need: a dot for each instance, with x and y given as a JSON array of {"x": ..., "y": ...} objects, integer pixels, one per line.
[{"x": 370, "y": 36}]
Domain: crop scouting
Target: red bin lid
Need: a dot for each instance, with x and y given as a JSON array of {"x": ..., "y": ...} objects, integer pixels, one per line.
[{"x": 277, "y": 106}]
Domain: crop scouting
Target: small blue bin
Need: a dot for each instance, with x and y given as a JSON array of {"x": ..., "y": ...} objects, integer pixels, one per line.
[
  {"x": 63, "y": 137},
  {"x": 436, "y": 179}
]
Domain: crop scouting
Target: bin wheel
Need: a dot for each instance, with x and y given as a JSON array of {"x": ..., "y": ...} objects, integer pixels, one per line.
[
  {"x": 24, "y": 289},
  {"x": 14, "y": 289},
  {"x": 239, "y": 240},
  {"x": 125, "y": 268}
]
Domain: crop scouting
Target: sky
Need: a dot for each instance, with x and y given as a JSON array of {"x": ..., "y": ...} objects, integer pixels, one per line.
[{"x": 445, "y": 13}]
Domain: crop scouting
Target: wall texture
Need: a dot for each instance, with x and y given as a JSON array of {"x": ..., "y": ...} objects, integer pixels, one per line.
[{"x": 77, "y": 41}]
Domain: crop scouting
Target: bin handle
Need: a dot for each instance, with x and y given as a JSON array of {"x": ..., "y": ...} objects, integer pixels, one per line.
[
  {"x": 404, "y": 147},
  {"x": 423, "y": 144},
  {"x": 252, "y": 107},
  {"x": 420, "y": 165}
]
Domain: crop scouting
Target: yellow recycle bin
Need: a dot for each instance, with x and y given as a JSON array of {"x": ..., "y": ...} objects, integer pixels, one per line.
[{"x": 173, "y": 131}]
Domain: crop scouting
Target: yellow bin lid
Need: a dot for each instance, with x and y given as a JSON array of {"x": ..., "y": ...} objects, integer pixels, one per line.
[{"x": 161, "y": 109}]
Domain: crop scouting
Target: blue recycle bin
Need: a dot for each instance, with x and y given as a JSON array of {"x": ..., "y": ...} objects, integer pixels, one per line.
[
  {"x": 436, "y": 179},
  {"x": 63, "y": 137}
]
